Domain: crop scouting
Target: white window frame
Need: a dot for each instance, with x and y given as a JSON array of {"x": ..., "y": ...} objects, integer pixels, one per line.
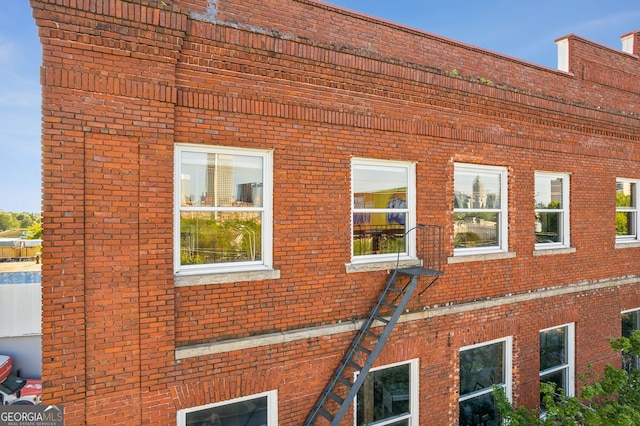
[
  {"x": 272, "y": 407},
  {"x": 508, "y": 369},
  {"x": 569, "y": 367},
  {"x": 636, "y": 363},
  {"x": 564, "y": 211},
  {"x": 266, "y": 263},
  {"x": 410, "y": 210},
  {"x": 503, "y": 218},
  {"x": 633, "y": 237},
  {"x": 414, "y": 397}
]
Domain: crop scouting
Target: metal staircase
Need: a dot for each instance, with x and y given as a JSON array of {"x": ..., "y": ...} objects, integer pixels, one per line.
[{"x": 341, "y": 389}]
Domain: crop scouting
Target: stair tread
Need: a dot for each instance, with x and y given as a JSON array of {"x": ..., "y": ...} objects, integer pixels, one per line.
[
  {"x": 419, "y": 271},
  {"x": 335, "y": 397},
  {"x": 324, "y": 413}
]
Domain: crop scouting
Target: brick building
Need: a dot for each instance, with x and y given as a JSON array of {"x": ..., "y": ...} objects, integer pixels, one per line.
[{"x": 229, "y": 183}]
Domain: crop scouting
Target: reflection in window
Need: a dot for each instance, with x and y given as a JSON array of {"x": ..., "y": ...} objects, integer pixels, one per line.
[
  {"x": 479, "y": 208},
  {"x": 551, "y": 210},
  {"x": 626, "y": 211},
  {"x": 222, "y": 206},
  {"x": 482, "y": 367},
  {"x": 252, "y": 411},
  {"x": 386, "y": 398},
  {"x": 630, "y": 323},
  {"x": 382, "y": 198},
  {"x": 556, "y": 358}
]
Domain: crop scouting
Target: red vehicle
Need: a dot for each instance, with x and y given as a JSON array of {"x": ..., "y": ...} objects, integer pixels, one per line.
[{"x": 15, "y": 390}]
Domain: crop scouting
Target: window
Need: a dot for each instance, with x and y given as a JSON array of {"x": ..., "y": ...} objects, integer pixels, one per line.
[
  {"x": 389, "y": 396},
  {"x": 481, "y": 367},
  {"x": 383, "y": 209},
  {"x": 557, "y": 358},
  {"x": 626, "y": 211},
  {"x": 630, "y": 323},
  {"x": 256, "y": 410},
  {"x": 480, "y": 209},
  {"x": 223, "y": 222},
  {"x": 552, "y": 210}
]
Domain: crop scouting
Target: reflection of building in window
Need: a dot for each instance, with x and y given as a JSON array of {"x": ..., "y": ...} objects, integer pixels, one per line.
[
  {"x": 484, "y": 229},
  {"x": 387, "y": 396},
  {"x": 551, "y": 210},
  {"x": 250, "y": 193},
  {"x": 479, "y": 212},
  {"x": 252, "y": 412},
  {"x": 478, "y": 193},
  {"x": 224, "y": 217},
  {"x": 630, "y": 323},
  {"x": 556, "y": 190},
  {"x": 219, "y": 190},
  {"x": 556, "y": 358},
  {"x": 482, "y": 367}
]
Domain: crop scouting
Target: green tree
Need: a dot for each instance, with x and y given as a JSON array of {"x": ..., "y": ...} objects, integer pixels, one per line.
[
  {"x": 25, "y": 219},
  {"x": 35, "y": 231},
  {"x": 612, "y": 399},
  {"x": 8, "y": 221}
]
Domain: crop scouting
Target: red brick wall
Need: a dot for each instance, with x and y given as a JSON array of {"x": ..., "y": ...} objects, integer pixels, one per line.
[{"x": 123, "y": 81}]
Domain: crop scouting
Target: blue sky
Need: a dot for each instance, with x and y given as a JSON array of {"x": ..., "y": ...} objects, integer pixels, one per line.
[{"x": 522, "y": 29}]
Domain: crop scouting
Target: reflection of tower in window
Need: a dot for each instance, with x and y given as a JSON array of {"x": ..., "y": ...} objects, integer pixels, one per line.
[
  {"x": 478, "y": 192},
  {"x": 219, "y": 180},
  {"x": 556, "y": 190}
]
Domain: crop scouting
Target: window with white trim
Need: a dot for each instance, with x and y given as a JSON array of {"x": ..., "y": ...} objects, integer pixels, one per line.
[
  {"x": 389, "y": 396},
  {"x": 479, "y": 209},
  {"x": 557, "y": 358},
  {"x": 626, "y": 211},
  {"x": 255, "y": 410},
  {"x": 481, "y": 367},
  {"x": 383, "y": 206},
  {"x": 630, "y": 324},
  {"x": 223, "y": 209},
  {"x": 551, "y": 210}
]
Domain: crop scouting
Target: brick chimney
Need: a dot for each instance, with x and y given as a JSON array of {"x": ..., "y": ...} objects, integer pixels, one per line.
[
  {"x": 563, "y": 54},
  {"x": 631, "y": 43}
]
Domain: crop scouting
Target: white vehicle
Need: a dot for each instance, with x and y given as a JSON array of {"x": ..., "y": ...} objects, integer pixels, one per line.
[{"x": 15, "y": 390}]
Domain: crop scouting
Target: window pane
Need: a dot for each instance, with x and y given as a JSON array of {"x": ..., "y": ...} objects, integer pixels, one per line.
[
  {"x": 215, "y": 237},
  {"x": 625, "y": 194},
  {"x": 221, "y": 180},
  {"x": 630, "y": 323},
  {"x": 625, "y": 223},
  {"x": 475, "y": 229},
  {"x": 374, "y": 233},
  {"x": 559, "y": 378},
  {"x": 376, "y": 185},
  {"x": 479, "y": 411},
  {"x": 384, "y": 395},
  {"x": 553, "y": 348},
  {"x": 548, "y": 192},
  {"x": 481, "y": 368},
  {"x": 548, "y": 226},
  {"x": 476, "y": 190},
  {"x": 250, "y": 413}
]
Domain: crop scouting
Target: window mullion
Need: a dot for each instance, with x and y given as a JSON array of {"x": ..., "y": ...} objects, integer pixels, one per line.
[{"x": 554, "y": 369}]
